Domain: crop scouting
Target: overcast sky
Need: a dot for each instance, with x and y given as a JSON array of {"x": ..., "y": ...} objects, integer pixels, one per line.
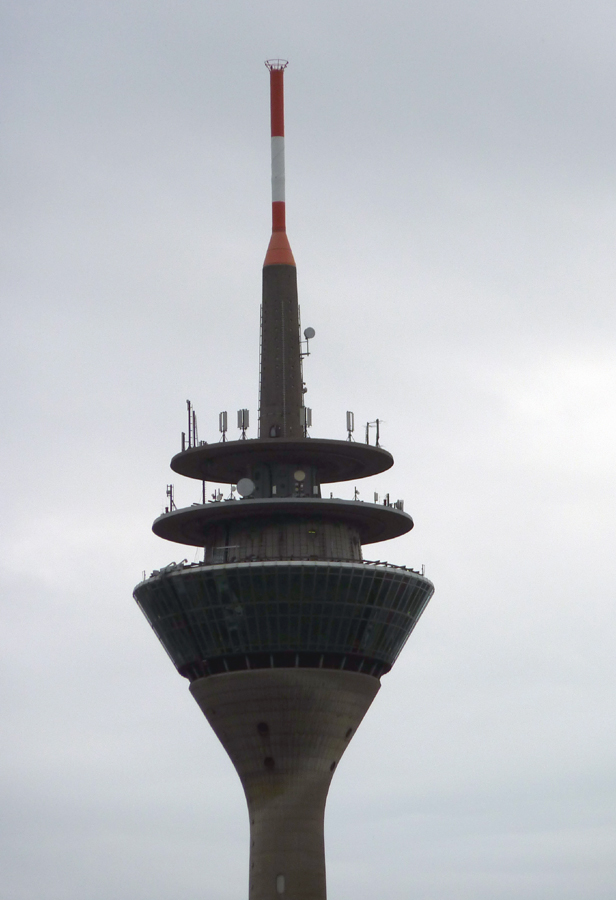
[{"x": 451, "y": 208}]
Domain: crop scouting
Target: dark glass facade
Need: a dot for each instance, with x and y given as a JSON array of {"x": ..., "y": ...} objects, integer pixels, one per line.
[
  {"x": 251, "y": 615},
  {"x": 299, "y": 539}
]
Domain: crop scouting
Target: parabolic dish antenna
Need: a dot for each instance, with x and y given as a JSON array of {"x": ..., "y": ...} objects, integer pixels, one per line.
[
  {"x": 245, "y": 487},
  {"x": 309, "y": 333}
]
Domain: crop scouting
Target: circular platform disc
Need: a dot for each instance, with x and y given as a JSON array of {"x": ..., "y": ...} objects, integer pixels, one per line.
[
  {"x": 374, "y": 523},
  {"x": 229, "y": 461}
]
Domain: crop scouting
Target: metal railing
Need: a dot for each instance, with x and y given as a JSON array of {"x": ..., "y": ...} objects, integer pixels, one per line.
[{"x": 267, "y": 559}]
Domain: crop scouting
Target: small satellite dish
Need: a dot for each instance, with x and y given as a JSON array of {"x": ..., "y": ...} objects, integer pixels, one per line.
[
  {"x": 245, "y": 487},
  {"x": 309, "y": 333}
]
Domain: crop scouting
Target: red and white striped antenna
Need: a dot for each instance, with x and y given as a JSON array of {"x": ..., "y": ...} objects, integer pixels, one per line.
[{"x": 279, "y": 250}]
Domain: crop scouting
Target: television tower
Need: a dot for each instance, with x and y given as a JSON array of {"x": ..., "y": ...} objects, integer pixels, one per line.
[{"x": 284, "y": 630}]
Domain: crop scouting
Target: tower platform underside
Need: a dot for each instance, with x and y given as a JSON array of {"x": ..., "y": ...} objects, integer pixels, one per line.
[
  {"x": 283, "y": 614},
  {"x": 226, "y": 462},
  {"x": 191, "y": 525}
]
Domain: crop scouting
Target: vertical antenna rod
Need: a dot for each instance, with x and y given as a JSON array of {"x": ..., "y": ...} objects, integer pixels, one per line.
[
  {"x": 279, "y": 250},
  {"x": 277, "y": 117},
  {"x": 280, "y": 398}
]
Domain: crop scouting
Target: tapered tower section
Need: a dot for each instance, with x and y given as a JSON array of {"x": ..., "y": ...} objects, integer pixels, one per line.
[{"x": 283, "y": 630}]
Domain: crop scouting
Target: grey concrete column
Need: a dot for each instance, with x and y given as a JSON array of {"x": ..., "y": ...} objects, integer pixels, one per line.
[
  {"x": 285, "y": 731},
  {"x": 280, "y": 392}
]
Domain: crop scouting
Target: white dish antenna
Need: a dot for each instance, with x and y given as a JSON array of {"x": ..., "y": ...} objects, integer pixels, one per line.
[{"x": 245, "y": 487}]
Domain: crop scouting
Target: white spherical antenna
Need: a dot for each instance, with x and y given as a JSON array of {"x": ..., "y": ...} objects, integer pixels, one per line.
[
  {"x": 309, "y": 333},
  {"x": 245, "y": 487}
]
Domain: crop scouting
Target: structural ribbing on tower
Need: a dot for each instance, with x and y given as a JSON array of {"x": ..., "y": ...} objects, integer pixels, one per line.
[{"x": 283, "y": 630}]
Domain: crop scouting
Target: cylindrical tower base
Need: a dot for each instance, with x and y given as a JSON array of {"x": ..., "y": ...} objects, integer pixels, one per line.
[{"x": 285, "y": 731}]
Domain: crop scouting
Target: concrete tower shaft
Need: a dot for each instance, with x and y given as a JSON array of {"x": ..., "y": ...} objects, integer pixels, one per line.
[
  {"x": 281, "y": 395},
  {"x": 285, "y": 731}
]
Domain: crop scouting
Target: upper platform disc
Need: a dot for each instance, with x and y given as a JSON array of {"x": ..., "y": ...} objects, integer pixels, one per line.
[
  {"x": 334, "y": 460},
  {"x": 191, "y": 525}
]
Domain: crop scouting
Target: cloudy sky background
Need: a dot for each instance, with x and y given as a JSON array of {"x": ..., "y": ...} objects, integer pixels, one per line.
[{"x": 451, "y": 206}]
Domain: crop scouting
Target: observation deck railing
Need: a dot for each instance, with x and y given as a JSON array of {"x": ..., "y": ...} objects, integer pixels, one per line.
[{"x": 268, "y": 559}]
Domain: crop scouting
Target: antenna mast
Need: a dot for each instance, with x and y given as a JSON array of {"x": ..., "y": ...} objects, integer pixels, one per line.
[
  {"x": 279, "y": 250},
  {"x": 281, "y": 396}
]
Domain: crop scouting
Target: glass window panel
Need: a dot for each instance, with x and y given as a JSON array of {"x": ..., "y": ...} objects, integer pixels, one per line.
[{"x": 201, "y": 613}]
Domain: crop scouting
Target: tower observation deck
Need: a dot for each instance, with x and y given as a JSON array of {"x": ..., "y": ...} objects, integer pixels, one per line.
[{"x": 283, "y": 630}]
